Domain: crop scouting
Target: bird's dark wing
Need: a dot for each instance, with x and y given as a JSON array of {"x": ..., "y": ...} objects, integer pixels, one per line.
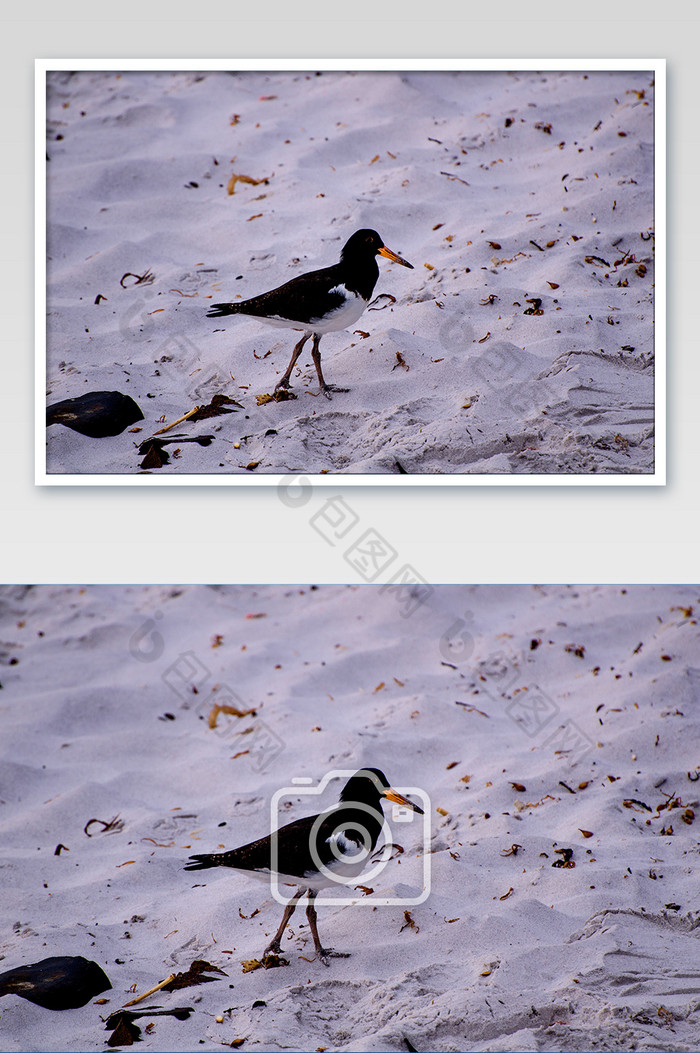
[
  {"x": 293, "y": 855},
  {"x": 303, "y": 299}
]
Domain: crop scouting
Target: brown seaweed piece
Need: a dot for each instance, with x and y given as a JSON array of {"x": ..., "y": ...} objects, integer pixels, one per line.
[
  {"x": 194, "y": 975},
  {"x": 218, "y": 405},
  {"x": 155, "y": 455},
  {"x": 125, "y": 1032}
]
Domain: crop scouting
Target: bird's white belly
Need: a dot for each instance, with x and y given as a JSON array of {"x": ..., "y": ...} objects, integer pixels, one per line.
[
  {"x": 278, "y": 323},
  {"x": 348, "y": 862},
  {"x": 337, "y": 873},
  {"x": 346, "y": 314}
]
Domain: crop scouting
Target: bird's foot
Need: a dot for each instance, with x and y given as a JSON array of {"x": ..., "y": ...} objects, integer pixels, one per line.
[
  {"x": 324, "y": 953},
  {"x": 283, "y": 383},
  {"x": 272, "y": 948},
  {"x": 328, "y": 388}
]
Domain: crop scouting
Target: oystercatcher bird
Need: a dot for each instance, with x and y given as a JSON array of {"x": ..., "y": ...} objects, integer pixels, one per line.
[
  {"x": 318, "y": 851},
  {"x": 321, "y": 301}
]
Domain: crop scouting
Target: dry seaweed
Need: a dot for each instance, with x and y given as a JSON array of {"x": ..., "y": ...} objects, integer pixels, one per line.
[
  {"x": 125, "y": 1032},
  {"x": 231, "y": 185},
  {"x": 468, "y": 705},
  {"x": 155, "y": 455},
  {"x": 111, "y": 826},
  {"x": 147, "y": 278},
  {"x": 194, "y": 976},
  {"x": 230, "y": 711},
  {"x": 409, "y": 923},
  {"x": 566, "y": 861},
  {"x": 283, "y": 395},
  {"x": 270, "y": 961}
]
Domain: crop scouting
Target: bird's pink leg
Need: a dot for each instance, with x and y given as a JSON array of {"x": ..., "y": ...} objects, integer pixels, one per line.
[
  {"x": 273, "y": 946},
  {"x": 323, "y": 953},
  {"x": 283, "y": 382},
  {"x": 316, "y": 355}
]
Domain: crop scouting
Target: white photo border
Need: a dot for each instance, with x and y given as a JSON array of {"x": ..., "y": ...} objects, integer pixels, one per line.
[{"x": 657, "y": 65}]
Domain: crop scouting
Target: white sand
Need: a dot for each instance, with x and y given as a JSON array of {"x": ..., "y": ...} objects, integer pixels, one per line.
[
  {"x": 590, "y": 957},
  {"x": 427, "y": 160}
]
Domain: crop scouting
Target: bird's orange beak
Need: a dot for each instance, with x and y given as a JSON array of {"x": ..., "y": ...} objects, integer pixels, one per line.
[
  {"x": 392, "y": 795},
  {"x": 384, "y": 251}
]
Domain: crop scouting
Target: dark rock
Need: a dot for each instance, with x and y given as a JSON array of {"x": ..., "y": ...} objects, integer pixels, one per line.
[
  {"x": 56, "y": 983},
  {"x": 96, "y": 413}
]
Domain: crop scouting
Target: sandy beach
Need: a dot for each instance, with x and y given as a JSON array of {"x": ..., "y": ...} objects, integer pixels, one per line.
[
  {"x": 554, "y": 730},
  {"x": 521, "y": 343}
]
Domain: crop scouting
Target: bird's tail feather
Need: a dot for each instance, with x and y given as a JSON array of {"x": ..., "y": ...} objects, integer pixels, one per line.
[
  {"x": 203, "y": 862},
  {"x": 218, "y": 310}
]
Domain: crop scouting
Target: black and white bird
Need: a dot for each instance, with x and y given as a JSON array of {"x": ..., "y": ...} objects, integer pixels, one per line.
[
  {"x": 318, "y": 851},
  {"x": 321, "y": 301}
]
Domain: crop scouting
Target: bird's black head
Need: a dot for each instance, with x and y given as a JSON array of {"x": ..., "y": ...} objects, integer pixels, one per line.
[
  {"x": 368, "y": 786},
  {"x": 367, "y": 244}
]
